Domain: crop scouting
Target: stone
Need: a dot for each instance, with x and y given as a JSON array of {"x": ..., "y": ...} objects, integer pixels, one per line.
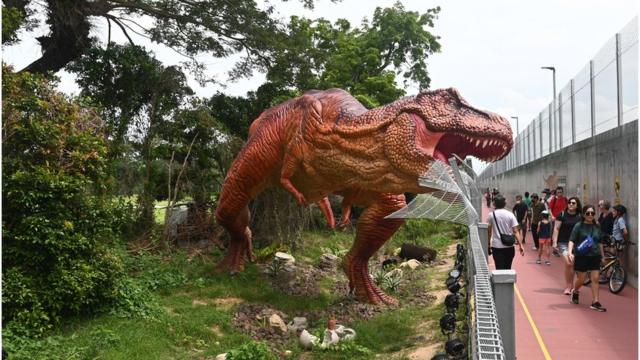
[
  {"x": 307, "y": 340},
  {"x": 287, "y": 353},
  {"x": 222, "y": 356},
  {"x": 328, "y": 261},
  {"x": 276, "y": 321},
  {"x": 285, "y": 258},
  {"x": 411, "y": 264},
  {"x": 298, "y": 324},
  {"x": 330, "y": 338}
]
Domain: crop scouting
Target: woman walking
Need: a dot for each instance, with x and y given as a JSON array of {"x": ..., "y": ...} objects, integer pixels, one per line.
[
  {"x": 586, "y": 253},
  {"x": 564, "y": 224},
  {"x": 502, "y": 222}
]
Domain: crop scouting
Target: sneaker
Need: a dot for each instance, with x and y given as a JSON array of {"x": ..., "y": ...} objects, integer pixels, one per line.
[
  {"x": 598, "y": 307},
  {"x": 548, "y": 263},
  {"x": 575, "y": 298},
  {"x": 538, "y": 261},
  {"x": 534, "y": 248},
  {"x": 567, "y": 291}
]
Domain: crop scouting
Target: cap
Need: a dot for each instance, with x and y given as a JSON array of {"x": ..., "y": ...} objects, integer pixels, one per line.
[
  {"x": 545, "y": 212},
  {"x": 546, "y": 191}
]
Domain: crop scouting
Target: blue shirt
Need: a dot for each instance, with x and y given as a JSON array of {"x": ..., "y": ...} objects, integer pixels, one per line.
[{"x": 618, "y": 228}]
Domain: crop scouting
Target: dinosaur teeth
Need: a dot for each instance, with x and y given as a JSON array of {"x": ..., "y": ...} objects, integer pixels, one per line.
[
  {"x": 477, "y": 142},
  {"x": 484, "y": 144}
]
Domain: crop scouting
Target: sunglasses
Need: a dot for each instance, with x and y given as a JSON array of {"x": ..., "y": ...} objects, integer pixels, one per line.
[
  {"x": 590, "y": 213},
  {"x": 573, "y": 203}
]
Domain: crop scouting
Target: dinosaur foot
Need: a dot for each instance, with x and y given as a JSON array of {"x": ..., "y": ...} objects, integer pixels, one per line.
[
  {"x": 235, "y": 259},
  {"x": 360, "y": 283}
]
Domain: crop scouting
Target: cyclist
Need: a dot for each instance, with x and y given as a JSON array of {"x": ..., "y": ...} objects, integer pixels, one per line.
[
  {"x": 586, "y": 252},
  {"x": 563, "y": 226},
  {"x": 620, "y": 232}
]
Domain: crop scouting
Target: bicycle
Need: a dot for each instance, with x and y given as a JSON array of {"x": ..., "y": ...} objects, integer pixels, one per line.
[{"x": 612, "y": 271}]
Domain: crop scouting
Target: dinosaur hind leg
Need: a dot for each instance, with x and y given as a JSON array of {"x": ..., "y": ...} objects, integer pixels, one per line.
[{"x": 372, "y": 232}]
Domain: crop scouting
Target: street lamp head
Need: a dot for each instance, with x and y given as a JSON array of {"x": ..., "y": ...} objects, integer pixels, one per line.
[
  {"x": 548, "y": 68},
  {"x": 514, "y": 117}
]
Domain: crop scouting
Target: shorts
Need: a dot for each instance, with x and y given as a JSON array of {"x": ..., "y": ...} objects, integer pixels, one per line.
[
  {"x": 586, "y": 263},
  {"x": 563, "y": 249},
  {"x": 544, "y": 241}
]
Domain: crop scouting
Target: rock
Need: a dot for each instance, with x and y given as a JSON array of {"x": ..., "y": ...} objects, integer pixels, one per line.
[
  {"x": 411, "y": 264},
  {"x": 287, "y": 353},
  {"x": 328, "y": 261},
  {"x": 420, "y": 253},
  {"x": 307, "y": 340},
  {"x": 276, "y": 321},
  {"x": 395, "y": 273},
  {"x": 298, "y": 324},
  {"x": 285, "y": 258},
  {"x": 345, "y": 333},
  {"x": 222, "y": 356}
]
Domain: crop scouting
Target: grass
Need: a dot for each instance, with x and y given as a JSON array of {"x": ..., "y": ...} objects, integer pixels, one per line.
[{"x": 189, "y": 325}]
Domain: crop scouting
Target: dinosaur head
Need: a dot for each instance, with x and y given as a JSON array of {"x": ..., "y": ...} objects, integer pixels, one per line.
[{"x": 446, "y": 124}]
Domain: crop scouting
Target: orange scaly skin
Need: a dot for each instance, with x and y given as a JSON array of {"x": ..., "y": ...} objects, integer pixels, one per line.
[{"x": 326, "y": 142}]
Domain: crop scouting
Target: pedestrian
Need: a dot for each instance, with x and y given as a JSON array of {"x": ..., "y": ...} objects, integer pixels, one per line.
[
  {"x": 564, "y": 224},
  {"x": 487, "y": 197},
  {"x": 520, "y": 211},
  {"x": 586, "y": 253},
  {"x": 544, "y": 238},
  {"x": 619, "y": 232},
  {"x": 537, "y": 207},
  {"x": 546, "y": 196},
  {"x": 605, "y": 220},
  {"x": 527, "y": 200},
  {"x": 502, "y": 222},
  {"x": 558, "y": 203}
]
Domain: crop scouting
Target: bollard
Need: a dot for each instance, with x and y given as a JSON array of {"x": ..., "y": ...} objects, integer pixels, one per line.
[
  {"x": 503, "y": 282},
  {"x": 483, "y": 234}
]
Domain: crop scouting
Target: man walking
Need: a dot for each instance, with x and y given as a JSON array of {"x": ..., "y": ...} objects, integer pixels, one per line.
[
  {"x": 537, "y": 207},
  {"x": 520, "y": 211},
  {"x": 558, "y": 203}
]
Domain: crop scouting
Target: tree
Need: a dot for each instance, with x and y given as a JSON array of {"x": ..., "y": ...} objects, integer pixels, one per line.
[
  {"x": 364, "y": 60},
  {"x": 58, "y": 227},
  {"x": 190, "y": 27},
  {"x": 140, "y": 98}
]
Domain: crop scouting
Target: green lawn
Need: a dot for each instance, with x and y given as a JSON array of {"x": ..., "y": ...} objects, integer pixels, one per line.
[{"x": 185, "y": 321}]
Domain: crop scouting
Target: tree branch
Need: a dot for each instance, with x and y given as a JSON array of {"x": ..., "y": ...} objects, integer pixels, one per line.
[{"x": 115, "y": 20}]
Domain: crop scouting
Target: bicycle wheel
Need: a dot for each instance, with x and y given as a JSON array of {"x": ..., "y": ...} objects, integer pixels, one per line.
[{"x": 618, "y": 279}]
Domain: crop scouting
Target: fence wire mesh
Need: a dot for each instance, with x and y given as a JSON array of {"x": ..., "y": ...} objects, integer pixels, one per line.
[{"x": 455, "y": 197}]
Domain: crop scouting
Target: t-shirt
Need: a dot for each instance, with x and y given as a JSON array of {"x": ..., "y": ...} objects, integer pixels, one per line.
[
  {"x": 606, "y": 223},
  {"x": 527, "y": 201},
  {"x": 580, "y": 233},
  {"x": 506, "y": 221},
  {"x": 618, "y": 226},
  {"x": 520, "y": 209},
  {"x": 545, "y": 230},
  {"x": 537, "y": 210},
  {"x": 557, "y": 205},
  {"x": 568, "y": 223}
]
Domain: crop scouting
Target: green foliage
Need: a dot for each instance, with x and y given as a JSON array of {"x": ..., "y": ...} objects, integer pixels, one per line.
[
  {"x": 363, "y": 60},
  {"x": 346, "y": 350},
  {"x": 251, "y": 351},
  {"x": 58, "y": 227}
]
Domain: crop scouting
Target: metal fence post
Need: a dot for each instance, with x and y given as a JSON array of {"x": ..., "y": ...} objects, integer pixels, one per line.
[
  {"x": 503, "y": 292},
  {"x": 483, "y": 234}
]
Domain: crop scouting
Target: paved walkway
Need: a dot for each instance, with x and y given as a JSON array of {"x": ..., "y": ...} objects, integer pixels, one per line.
[{"x": 557, "y": 329}]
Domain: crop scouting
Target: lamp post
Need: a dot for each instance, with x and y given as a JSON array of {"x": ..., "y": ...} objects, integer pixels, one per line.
[
  {"x": 554, "y": 98},
  {"x": 517, "y": 133},
  {"x": 517, "y": 125}
]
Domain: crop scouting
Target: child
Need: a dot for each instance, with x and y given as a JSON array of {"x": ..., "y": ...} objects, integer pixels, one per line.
[{"x": 544, "y": 233}]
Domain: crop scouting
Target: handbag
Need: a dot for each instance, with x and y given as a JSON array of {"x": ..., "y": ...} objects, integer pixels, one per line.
[
  {"x": 585, "y": 246},
  {"x": 507, "y": 240}
]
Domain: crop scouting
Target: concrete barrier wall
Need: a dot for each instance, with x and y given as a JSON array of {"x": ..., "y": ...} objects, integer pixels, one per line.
[{"x": 601, "y": 167}]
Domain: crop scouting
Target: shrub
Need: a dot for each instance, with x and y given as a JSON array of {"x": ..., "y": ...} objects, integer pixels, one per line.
[
  {"x": 59, "y": 226},
  {"x": 251, "y": 351}
]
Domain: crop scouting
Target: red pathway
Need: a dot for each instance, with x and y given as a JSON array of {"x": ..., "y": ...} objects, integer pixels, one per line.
[{"x": 569, "y": 331}]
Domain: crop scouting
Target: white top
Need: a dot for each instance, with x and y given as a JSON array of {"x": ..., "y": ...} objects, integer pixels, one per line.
[{"x": 506, "y": 221}]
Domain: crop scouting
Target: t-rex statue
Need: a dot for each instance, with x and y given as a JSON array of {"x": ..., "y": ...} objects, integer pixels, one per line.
[{"x": 326, "y": 142}]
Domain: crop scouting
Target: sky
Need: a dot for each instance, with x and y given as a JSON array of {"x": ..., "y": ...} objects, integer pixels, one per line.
[{"x": 491, "y": 51}]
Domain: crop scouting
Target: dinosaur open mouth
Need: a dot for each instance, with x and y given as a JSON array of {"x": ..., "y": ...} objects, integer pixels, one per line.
[
  {"x": 483, "y": 147},
  {"x": 441, "y": 145}
]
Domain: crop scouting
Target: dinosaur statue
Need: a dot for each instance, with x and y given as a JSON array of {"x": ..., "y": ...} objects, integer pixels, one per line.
[{"x": 326, "y": 142}]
